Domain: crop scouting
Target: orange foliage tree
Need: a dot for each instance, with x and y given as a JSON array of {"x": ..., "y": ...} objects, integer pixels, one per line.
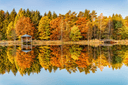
[
  {"x": 55, "y": 29},
  {"x": 55, "y": 56},
  {"x": 24, "y": 60},
  {"x": 82, "y": 25},
  {"x": 83, "y": 60},
  {"x": 24, "y": 26}
]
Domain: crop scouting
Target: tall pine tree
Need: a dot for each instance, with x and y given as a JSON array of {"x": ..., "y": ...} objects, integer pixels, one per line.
[
  {"x": 49, "y": 15},
  {"x": 1, "y": 22},
  {"x": 54, "y": 15},
  {"x": 12, "y": 15},
  {"x": 5, "y": 25}
]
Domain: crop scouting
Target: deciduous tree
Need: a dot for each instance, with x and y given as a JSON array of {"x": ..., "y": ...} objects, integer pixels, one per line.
[
  {"x": 55, "y": 29},
  {"x": 75, "y": 34},
  {"x": 24, "y": 26},
  {"x": 44, "y": 28},
  {"x": 82, "y": 25},
  {"x": 10, "y": 31}
]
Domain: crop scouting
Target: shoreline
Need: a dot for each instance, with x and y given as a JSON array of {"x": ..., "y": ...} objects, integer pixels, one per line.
[{"x": 59, "y": 42}]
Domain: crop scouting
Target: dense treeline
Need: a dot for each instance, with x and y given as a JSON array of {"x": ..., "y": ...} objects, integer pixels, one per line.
[
  {"x": 68, "y": 27},
  {"x": 72, "y": 58}
]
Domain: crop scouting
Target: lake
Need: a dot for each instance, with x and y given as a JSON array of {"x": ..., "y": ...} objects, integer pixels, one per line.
[{"x": 64, "y": 65}]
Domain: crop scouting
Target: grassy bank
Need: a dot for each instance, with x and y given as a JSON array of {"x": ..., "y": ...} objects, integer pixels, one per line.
[
  {"x": 53, "y": 42},
  {"x": 59, "y": 42}
]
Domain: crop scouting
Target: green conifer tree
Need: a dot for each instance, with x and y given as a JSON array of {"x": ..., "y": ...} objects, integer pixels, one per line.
[
  {"x": 54, "y": 15},
  {"x": 49, "y": 15},
  {"x": 2, "y": 16},
  {"x": 5, "y": 25},
  {"x": 12, "y": 15},
  {"x": 45, "y": 14}
]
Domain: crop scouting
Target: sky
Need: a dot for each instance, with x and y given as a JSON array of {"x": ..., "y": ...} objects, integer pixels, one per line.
[
  {"x": 62, "y": 77},
  {"x": 107, "y": 7}
]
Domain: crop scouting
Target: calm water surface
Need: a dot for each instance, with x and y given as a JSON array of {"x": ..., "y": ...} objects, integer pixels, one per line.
[{"x": 64, "y": 65}]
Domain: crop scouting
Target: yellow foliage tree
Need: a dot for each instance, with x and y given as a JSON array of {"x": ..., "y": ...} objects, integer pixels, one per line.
[{"x": 44, "y": 28}]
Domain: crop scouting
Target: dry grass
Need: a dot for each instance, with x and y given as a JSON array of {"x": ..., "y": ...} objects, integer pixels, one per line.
[
  {"x": 121, "y": 42},
  {"x": 94, "y": 42}
]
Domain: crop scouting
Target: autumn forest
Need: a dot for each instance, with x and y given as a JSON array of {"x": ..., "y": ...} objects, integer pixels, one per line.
[{"x": 85, "y": 25}]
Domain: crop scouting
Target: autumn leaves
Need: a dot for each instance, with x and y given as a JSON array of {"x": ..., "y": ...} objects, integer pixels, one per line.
[
  {"x": 72, "y": 58},
  {"x": 47, "y": 27},
  {"x": 87, "y": 25},
  {"x": 24, "y": 26}
]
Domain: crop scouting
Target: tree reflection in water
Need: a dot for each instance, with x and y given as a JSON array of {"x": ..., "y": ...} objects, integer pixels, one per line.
[{"x": 72, "y": 58}]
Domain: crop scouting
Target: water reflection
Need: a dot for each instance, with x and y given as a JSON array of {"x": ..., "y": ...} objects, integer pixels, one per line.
[{"x": 72, "y": 58}]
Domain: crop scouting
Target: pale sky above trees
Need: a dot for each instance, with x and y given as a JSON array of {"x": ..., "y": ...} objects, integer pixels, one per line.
[{"x": 107, "y": 7}]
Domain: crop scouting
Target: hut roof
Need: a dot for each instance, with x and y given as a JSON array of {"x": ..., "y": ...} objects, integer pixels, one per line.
[{"x": 26, "y": 36}]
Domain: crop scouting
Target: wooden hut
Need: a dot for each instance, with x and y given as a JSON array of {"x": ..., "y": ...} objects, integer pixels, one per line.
[{"x": 26, "y": 41}]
